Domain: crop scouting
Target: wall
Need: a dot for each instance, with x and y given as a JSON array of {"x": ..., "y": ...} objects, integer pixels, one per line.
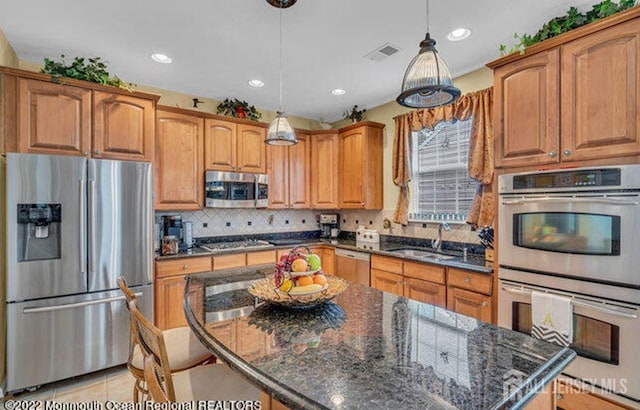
[
  {"x": 474, "y": 81},
  {"x": 8, "y": 56}
]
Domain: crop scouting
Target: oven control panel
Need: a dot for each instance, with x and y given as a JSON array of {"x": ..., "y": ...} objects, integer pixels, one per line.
[{"x": 583, "y": 178}]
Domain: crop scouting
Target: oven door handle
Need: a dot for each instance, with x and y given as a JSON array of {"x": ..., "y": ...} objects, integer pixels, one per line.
[
  {"x": 576, "y": 302},
  {"x": 564, "y": 200}
]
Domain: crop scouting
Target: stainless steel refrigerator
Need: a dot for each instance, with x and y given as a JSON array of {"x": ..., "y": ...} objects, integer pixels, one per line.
[{"x": 74, "y": 225}]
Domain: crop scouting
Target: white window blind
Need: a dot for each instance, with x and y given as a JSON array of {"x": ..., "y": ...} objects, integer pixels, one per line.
[{"x": 441, "y": 189}]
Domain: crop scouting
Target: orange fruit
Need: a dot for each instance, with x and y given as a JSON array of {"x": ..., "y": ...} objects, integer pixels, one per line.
[
  {"x": 299, "y": 265},
  {"x": 320, "y": 280},
  {"x": 305, "y": 280}
]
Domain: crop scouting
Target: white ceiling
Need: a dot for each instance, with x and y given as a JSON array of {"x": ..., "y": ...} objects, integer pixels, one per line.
[{"x": 218, "y": 45}]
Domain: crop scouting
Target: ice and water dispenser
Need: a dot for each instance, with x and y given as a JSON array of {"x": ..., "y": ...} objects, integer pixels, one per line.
[{"x": 39, "y": 231}]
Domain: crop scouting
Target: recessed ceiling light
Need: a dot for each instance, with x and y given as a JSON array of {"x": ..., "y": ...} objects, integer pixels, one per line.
[
  {"x": 256, "y": 83},
  {"x": 161, "y": 58},
  {"x": 338, "y": 91},
  {"x": 458, "y": 34}
]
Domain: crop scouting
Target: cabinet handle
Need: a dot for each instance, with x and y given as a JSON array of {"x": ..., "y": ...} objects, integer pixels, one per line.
[
  {"x": 552, "y": 154},
  {"x": 98, "y": 152},
  {"x": 559, "y": 396},
  {"x": 566, "y": 152},
  {"x": 85, "y": 153},
  {"x": 467, "y": 280},
  {"x": 185, "y": 266},
  {"x": 485, "y": 304}
]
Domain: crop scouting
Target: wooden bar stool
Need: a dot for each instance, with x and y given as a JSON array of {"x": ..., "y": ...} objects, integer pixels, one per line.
[
  {"x": 184, "y": 350},
  {"x": 208, "y": 382}
]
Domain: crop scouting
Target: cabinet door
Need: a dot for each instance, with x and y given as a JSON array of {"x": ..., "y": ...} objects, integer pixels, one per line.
[
  {"x": 351, "y": 169},
  {"x": 53, "y": 118},
  {"x": 601, "y": 94},
  {"x": 329, "y": 261},
  {"x": 526, "y": 111},
  {"x": 324, "y": 171},
  {"x": 387, "y": 282},
  {"x": 569, "y": 398},
  {"x": 278, "y": 171},
  {"x": 426, "y": 292},
  {"x": 219, "y": 145},
  {"x": 251, "y": 155},
  {"x": 470, "y": 304},
  {"x": 179, "y": 174},
  {"x": 299, "y": 173},
  {"x": 169, "y": 293},
  {"x": 123, "y": 127}
]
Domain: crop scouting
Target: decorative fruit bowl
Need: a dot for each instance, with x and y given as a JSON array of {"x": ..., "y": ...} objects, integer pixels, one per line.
[{"x": 298, "y": 281}]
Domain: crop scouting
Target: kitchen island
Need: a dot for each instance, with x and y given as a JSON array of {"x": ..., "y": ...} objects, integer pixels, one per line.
[{"x": 367, "y": 349}]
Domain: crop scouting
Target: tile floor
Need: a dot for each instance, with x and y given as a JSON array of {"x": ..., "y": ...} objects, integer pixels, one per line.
[{"x": 115, "y": 384}]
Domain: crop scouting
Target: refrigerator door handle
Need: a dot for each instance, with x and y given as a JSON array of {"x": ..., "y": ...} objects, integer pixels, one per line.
[
  {"x": 91, "y": 221},
  {"x": 83, "y": 227},
  {"x": 76, "y": 305}
]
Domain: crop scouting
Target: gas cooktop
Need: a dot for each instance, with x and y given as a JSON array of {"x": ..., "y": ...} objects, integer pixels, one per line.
[{"x": 246, "y": 244}]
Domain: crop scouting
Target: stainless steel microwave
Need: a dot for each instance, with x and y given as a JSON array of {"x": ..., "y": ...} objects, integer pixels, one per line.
[{"x": 236, "y": 190}]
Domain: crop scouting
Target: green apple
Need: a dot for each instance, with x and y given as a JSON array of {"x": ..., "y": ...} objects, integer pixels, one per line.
[{"x": 314, "y": 261}]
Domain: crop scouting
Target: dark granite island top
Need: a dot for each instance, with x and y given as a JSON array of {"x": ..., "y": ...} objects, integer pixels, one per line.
[{"x": 368, "y": 349}]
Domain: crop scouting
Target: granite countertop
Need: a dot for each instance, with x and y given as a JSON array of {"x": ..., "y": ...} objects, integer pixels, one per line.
[
  {"x": 370, "y": 349},
  {"x": 473, "y": 262}
]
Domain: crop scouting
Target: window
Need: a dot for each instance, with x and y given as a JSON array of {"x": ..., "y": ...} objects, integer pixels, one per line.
[{"x": 441, "y": 189}]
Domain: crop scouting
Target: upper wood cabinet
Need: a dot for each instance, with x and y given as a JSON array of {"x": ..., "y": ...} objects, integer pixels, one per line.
[
  {"x": 234, "y": 147},
  {"x": 360, "y": 166},
  {"x": 324, "y": 171},
  {"x": 179, "y": 171},
  {"x": 289, "y": 173},
  {"x": 52, "y": 118},
  {"x": 575, "y": 97},
  {"x": 75, "y": 118},
  {"x": 124, "y": 127}
]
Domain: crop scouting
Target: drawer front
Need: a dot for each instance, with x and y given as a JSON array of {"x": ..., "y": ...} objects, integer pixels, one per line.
[
  {"x": 236, "y": 260},
  {"x": 260, "y": 258},
  {"x": 387, "y": 264},
  {"x": 182, "y": 266},
  {"x": 476, "y": 282},
  {"x": 424, "y": 271}
]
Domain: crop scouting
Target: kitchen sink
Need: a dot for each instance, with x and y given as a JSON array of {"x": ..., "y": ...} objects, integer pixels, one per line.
[{"x": 417, "y": 253}]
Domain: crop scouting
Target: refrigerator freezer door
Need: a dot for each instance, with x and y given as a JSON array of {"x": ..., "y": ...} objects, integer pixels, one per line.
[
  {"x": 120, "y": 223},
  {"x": 40, "y": 183},
  {"x": 53, "y": 339}
]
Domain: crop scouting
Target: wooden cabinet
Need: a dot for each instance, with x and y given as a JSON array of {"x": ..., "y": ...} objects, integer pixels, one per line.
[
  {"x": 360, "y": 166},
  {"x": 324, "y": 171},
  {"x": 179, "y": 171},
  {"x": 573, "y": 98},
  {"x": 469, "y": 293},
  {"x": 123, "y": 127},
  {"x": 570, "y": 397},
  {"x": 289, "y": 170},
  {"x": 261, "y": 257},
  {"x": 75, "y": 118},
  {"x": 418, "y": 281},
  {"x": 234, "y": 147},
  {"x": 169, "y": 289},
  {"x": 328, "y": 260},
  {"x": 53, "y": 118}
]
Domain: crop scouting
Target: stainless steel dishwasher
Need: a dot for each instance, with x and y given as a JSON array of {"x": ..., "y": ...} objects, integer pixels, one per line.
[{"x": 353, "y": 266}]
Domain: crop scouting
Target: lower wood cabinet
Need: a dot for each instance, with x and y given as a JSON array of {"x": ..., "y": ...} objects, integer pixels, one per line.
[
  {"x": 570, "y": 397},
  {"x": 468, "y": 303},
  {"x": 169, "y": 293},
  {"x": 425, "y": 291},
  {"x": 387, "y": 282}
]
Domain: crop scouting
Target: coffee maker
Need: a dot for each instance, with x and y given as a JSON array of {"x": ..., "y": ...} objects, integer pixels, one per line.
[
  {"x": 328, "y": 222},
  {"x": 173, "y": 226}
]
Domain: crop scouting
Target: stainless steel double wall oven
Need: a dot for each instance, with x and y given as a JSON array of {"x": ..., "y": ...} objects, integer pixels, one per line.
[{"x": 576, "y": 233}]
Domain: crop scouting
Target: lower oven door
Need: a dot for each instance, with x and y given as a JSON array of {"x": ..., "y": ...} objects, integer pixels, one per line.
[
  {"x": 605, "y": 336},
  {"x": 580, "y": 235}
]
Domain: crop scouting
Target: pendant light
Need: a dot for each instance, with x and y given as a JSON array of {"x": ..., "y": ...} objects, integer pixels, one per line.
[
  {"x": 427, "y": 82},
  {"x": 280, "y": 130}
]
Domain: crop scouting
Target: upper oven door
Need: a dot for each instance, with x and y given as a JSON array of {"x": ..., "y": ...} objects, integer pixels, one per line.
[{"x": 581, "y": 235}]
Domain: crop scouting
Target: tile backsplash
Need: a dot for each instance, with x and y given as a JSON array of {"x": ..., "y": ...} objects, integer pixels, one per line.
[
  {"x": 223, "y": 222},
  {"x": 213, "y": 222}
]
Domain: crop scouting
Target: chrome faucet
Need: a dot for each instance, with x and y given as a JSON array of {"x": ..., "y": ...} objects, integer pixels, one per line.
[{"x": 437, "y": 243}]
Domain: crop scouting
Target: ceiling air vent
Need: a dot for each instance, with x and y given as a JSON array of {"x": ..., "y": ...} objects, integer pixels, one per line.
[{"x": 382, "y": 52}]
